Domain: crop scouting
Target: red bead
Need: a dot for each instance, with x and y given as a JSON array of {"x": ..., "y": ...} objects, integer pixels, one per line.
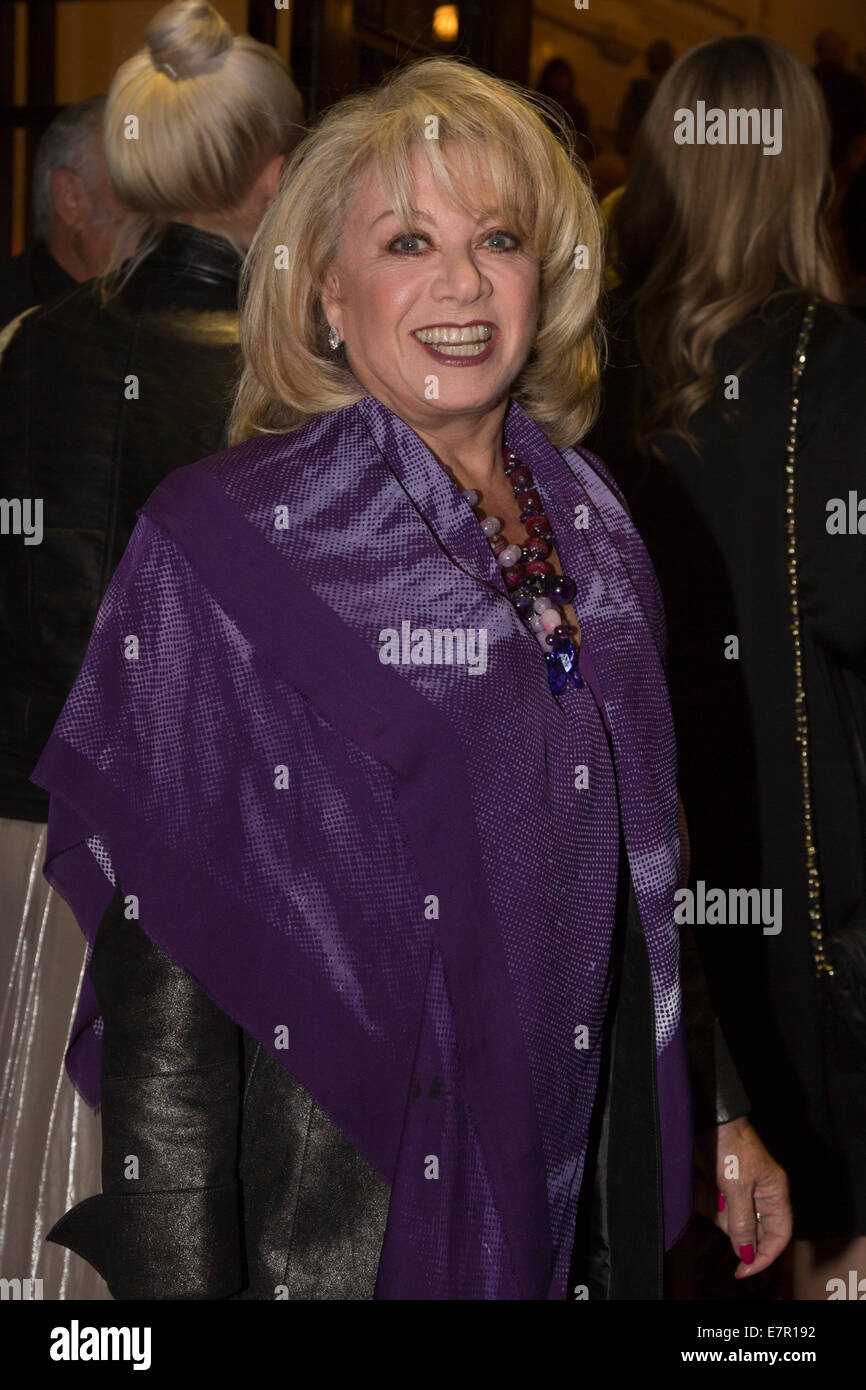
[
  {"x": 520, "y": 477},
  {"x": 539, "y": 567},
  {"x": 498, "y": 544},
  {"x": 538, "y": 548},
  {"x": 531, "y": 499},
  {"x": 537, "y": 525},
  {"x": 513, "y": 576}
]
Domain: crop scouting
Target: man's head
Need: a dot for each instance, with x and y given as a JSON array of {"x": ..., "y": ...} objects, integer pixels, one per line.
[{"x": 76, "y": 213}]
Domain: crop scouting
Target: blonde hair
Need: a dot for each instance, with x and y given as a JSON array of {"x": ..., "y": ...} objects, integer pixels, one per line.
[
  {"x": 707, "y": 234},
  {"x": 211, "y": 109},
  {"x": 290, "y": 374}
]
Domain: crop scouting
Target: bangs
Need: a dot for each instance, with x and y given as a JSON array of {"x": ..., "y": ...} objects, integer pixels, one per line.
[{"x": 467, "y": 163}]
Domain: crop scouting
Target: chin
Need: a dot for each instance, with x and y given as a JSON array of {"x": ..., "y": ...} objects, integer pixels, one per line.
[{"x": 455, "y": 395}]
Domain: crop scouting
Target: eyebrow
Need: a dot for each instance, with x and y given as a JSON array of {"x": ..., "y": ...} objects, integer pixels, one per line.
[
  {"x": 416, "y": 212},
  {"x": 420, "y": 215}
]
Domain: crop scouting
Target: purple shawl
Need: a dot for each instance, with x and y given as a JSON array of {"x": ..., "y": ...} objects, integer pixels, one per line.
[{"x": 396, "y": 870}]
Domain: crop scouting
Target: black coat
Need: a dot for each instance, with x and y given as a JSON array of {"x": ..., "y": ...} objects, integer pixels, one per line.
[
  {"x": 715, "y": 526},
  {"x": 32, "y": 277},
  {"x": 97, "y": 405},
  {"x": 244, "y": 1188}
]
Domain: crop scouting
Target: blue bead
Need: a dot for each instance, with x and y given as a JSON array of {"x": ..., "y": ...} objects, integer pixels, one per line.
[{"x": 562, "y": 667}]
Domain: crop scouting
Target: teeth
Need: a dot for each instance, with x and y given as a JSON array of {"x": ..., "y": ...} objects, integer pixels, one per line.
[
  {"x": 476, "y": 333},
  {"x": 459, "y": 349}
]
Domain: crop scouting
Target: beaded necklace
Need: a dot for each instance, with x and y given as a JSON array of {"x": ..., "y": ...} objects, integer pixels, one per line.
[{"x": 533, "y": 585}]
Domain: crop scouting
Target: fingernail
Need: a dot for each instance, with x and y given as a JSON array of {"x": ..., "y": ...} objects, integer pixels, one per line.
[
  {"x": 747, "y": 1254},
  {"x": 721, "y": 1201}
]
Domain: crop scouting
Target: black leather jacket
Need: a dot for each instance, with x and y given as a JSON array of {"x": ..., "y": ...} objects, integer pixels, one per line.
[
  {"x": 97, "y": 405},
  {"x": 31, "y": 277},
  {"x": 242, "y": 1187}
]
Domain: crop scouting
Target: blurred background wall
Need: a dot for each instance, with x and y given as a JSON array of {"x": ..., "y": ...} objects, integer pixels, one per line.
[
  {"x": 53, "y": 52},
  {"x": 605, "y": 43}
]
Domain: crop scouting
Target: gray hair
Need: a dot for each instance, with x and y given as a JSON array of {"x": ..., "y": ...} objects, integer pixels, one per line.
[{"x": 68, "y": 143}]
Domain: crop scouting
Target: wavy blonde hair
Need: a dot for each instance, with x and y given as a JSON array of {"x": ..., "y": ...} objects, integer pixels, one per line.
[
  {"x": 707, "y": 234},
  {"x": 212, "y": 108},
  {"x": 490, "y": 126}
]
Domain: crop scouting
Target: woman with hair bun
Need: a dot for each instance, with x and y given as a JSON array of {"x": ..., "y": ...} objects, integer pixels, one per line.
[
  {"x": 198, "y": 124},
  {"x": 377, "y": 836},
  {"x": 139, "y": 367}
]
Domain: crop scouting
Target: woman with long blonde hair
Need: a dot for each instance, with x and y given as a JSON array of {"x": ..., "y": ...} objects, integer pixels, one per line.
[{"x": 735, "y": 419}]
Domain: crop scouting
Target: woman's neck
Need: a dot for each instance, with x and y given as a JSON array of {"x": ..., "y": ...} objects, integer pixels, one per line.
[
  {"x": 469, "y": 450},
  {"x": 226, "y": 227}
]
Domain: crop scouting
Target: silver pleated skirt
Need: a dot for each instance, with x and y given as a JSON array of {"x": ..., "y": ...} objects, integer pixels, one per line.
[{"x": 49, "y": 1137}]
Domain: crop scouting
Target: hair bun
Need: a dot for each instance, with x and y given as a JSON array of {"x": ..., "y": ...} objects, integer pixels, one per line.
[{"x": 187, "y": 38}]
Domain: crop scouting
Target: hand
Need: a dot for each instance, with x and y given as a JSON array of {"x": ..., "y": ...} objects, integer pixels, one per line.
[{"x": 761, "y": 1186}]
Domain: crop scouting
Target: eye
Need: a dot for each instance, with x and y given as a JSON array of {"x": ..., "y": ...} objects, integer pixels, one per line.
[
  {"x": 503, "y": 236},
  {"x": 398, "y": 245}
]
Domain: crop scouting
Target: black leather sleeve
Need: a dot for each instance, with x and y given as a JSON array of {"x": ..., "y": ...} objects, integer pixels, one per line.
[
  {"x": 168, "y": 1222},
  {"x": 718, "y": 1094}
]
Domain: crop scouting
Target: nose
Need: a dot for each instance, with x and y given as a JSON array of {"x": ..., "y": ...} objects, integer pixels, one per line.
[{"x": 458, "y": 277}]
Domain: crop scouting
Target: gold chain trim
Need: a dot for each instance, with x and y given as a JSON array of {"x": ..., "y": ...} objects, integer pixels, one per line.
[{"x": 816, "y": 930}]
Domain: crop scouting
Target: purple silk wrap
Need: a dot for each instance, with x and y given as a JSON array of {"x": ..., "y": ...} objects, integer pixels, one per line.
[{"x": 406, "y": 872}]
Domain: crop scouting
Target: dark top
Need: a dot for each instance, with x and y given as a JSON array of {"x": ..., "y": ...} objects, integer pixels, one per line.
[
  {"x": 31, "y": 277},
  {"x": 715, "y": 528},
  {"x": 97, "y": 405}
]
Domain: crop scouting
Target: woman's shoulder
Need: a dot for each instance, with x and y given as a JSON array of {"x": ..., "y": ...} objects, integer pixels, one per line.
[
  {"x": 832, "y": 404},
  {"x": 831, "y": 388},
  {"x": 767, "y": 329},
  {"x": 838, "y": 339},
  {"x": 774, "y": 329},
  {"x": 323, "y": 440},
  {"x": 300, "y": 471},
  {"x": 584, "y": 461}
]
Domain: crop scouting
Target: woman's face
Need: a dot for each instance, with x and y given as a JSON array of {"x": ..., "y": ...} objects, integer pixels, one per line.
[{"x": 392, "y": 287}]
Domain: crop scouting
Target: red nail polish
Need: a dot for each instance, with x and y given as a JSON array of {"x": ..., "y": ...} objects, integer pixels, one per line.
[
  {"x": 747, "y": 1254},
  {"x": 721, "y": 1201}
]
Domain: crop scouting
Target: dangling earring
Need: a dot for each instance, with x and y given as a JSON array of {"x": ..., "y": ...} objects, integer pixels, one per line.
[{"x": 334, "y": 339}]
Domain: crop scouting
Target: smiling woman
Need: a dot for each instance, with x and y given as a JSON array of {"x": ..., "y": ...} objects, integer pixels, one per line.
[
  {"x": 448, "y": 198},
  {"x": 384, "y": 946},
  {"x": 491, "y": 205}
]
